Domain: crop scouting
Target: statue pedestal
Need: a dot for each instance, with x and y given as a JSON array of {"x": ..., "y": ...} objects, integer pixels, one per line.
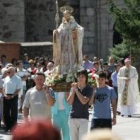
[{"x": 62, "y": 87}]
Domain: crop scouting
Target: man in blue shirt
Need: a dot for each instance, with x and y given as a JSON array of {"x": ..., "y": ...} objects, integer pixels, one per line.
[
  {"x": 114, "y": 79},
  {"x": 87, "y": 64},
  {"x": 102, "y": 98}
]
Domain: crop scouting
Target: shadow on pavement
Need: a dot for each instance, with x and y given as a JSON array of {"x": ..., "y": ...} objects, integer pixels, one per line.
[
  {"x": 3, "y": 133},
  {"x": 136, "y": 116},
  {"x": 1, "y": 138}
]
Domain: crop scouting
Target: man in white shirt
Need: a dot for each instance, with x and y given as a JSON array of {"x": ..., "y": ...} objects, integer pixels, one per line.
[{"x": 12, "y": 86}]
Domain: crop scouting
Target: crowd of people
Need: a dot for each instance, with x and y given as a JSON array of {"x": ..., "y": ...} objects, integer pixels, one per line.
[{"x": 22, "y": 90}]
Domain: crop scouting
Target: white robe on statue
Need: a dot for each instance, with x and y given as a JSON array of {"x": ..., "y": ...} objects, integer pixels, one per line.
[
  {"x": 67, "y": 46},
  {"x": 133, "y": 94}
]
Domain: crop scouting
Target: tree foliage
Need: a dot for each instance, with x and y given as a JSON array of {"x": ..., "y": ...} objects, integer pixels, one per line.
[
  {"x": 120, "y": 51},
  {"x": 128, "y": 21}
]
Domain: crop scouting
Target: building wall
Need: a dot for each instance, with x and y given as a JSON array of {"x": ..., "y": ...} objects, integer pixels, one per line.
[
  {"x": 87, "y": 18},
  {"x": 12, "y": 20},
  {"x": 11, "y": 50},
  {"x": 33, "y": 20},
  {"x": 104, "y": 27},
  {"x": 99, "y": 27},
  {"x": 40, "y": 51},
  {"x": 39, "y": 15},
  {"x": 40, "y": 18}
]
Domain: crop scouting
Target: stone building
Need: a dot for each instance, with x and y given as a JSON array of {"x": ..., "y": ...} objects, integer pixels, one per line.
[{"x": 33, "y": 20}]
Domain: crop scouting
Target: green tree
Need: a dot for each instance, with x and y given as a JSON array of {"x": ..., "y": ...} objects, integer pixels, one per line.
[
  {"x": 120, "y": 51},
  {"x": 128, "y": 21}
]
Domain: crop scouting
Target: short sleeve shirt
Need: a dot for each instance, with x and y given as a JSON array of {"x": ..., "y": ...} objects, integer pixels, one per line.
[
  {"x": 78, "y": 109},
  {"x": 1, "y": 82},
  {"x": 37, "y": 103},
  {"x": 12, "y": 84},
  {"x": 102, "y": 102}
]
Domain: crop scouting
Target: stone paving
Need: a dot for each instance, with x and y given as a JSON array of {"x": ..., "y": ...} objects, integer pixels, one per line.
[{"x": 126, "y": 128}]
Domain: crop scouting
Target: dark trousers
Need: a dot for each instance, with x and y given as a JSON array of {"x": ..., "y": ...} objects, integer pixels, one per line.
[
  {"x": 10, "y": 112},
  {"x": 101, "y": 123}
]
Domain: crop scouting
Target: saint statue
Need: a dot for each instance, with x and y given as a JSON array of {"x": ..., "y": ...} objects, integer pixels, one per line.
[{"x": 67, "y": 43}]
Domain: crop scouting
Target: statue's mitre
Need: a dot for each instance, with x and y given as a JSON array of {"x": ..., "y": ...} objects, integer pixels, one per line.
[{"x": 66, "y": 8}]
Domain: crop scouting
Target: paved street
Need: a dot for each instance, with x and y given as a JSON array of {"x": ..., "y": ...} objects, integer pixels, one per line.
[
  {"x": 127, "y": 128},
  {"x": 7, "y": 136}
]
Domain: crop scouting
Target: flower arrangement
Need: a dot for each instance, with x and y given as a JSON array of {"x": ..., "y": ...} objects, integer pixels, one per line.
[
  {"x": 63, "y": 82},
  {"x": 92, "y": 79},
  {"x": 60, "y": 83},
  {"x": 54, "y": 79}
]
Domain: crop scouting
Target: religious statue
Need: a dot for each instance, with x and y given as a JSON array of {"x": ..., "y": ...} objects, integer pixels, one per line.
[{"x": 67, "y": 43}]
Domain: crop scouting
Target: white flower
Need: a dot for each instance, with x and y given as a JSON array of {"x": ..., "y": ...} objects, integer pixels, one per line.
[
  {"x": 61, "y": 76},
  {"x": 70, "y": 75},
  {"x": 88, "y": 70},
  {"x": 96, "y": 76},
  {"x": 68, "y": 80},
  {"x": 33, "y": 77},
  {"x": 89, "y": 79},
  {"x": 72, "y": 79},
  {"x": 55, "y": 70},
  {"x": 75, "y": 75},
  {"x": 90, "y": 74}
]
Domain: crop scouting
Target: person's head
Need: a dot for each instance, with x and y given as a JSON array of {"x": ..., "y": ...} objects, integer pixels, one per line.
[
  {"x": 4, "y": 72},
  {"x": 127, "y": 62},
  {"x": 26, "y": 57},
  {"x": 38, "y": 65},
  {"x": 50, "y": 66},
  {"x": 96, "y": 65},
  {"x": 51, "y": 61},
  {"x": 85, "y": 57},
  {"x": 14, "y": 61},
  {"x": 3, "y": 58},
  {"x": 117, "y": 67},
  {"x": 82, "y": 76},
  {"x": 121, "y": 62},
  {"x": 95, "y": 59},
  {"x": 20, "y": 64},
  {"x": 36, "y": 130},
  {"x": 11, "y": 71},
  {"x": 101, "y": 78},
  {"x": 39, "y": 79},
  {"x": 101, "y": 61},
  {"x": 46, "y": 61},
  {"x": 42, "y": 63},
  {"x": 9, "y": 65},
  {"x": 111, "y": 60},
  {"x": 31, "y": 62},
  {"x": 105, "y": 66},
  {"x": 101, "y": 134},
  {"x": 41, "y": 59},
  {"x": 36, "y": 59}
]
